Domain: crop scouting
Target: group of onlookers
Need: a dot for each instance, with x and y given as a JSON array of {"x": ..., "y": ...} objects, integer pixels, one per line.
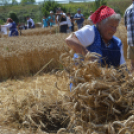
[{"x": 64, "y": 20}]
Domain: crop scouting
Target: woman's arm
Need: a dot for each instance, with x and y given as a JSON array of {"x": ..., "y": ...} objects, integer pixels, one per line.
[
  {"x": 73, "y": 43},
  {"x": 7, "y": 25}
]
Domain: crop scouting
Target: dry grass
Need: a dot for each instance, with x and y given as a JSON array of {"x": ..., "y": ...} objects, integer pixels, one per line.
[
  {"x": 25, "y": 56},
  {"x": 40, "y": 31},
  {"x": 28, "y": 102},
  {"x": 122, "y": 34}
]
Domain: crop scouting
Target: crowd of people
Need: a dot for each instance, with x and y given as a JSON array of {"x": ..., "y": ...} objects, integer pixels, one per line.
[
  {"x": 65, "y": 21},
  {"x": 97, "y": 37}
]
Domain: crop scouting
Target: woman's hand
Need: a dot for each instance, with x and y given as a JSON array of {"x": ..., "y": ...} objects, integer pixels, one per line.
[{"x": 73, "y": 43}]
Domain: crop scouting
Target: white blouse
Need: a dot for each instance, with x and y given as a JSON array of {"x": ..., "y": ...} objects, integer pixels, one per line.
[{"x": 7, "y": 25}]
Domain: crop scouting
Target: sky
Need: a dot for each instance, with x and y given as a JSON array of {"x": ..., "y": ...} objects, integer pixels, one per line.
[{"x": 54, "y": 0}]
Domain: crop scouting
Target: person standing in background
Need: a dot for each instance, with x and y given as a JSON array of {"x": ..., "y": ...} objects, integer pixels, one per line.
[
  {"x": 72, "y": 22},
  {"x": 62, "y": 20},
  {"x": 69, "y": 22},
  {"x": 79, "y": 18},
  {"x": 30, "y": 23},
  {"x": 45, "y": 22},
  {"x": 51, "y": 19},
  {"x": 129, "y": 23}
]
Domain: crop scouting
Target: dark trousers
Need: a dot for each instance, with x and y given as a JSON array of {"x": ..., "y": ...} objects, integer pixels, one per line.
[{"x": 63, "y": 28}]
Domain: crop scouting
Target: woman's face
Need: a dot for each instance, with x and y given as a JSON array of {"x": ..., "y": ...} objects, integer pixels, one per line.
[{"x": 108, "y": 29}]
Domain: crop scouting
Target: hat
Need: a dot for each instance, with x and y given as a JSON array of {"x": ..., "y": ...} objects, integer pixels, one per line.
[
  {"x": 78, "y": 9},
  {"x": 51, "y": 11},
  {"x": 101, "y": 13}
]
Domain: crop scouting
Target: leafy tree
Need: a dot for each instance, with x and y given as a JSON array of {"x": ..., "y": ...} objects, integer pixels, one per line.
[
  {"x": 99, "y": 3},
  {"x": 51, "y": 5},
  {"x": 13, "y": 16},
  {"x": 23, "y": 2},
  {"x": 14, "y": 2},
  {"x": 4, "y": 2},
  {"x": 1, "y": 22}
]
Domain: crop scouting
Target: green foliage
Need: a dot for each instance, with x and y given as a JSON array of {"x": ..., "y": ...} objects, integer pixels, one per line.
[
  {"x": 4, "y": 2},
  {"x": 14, "y": 2},
  {"x": 36, "y": 12},
  {"x": 1, "y": 22},
  {"x": 99, "y": 3},
  {"x": 117, "y": 10},
  {"x": 24, "y": 2},
  {"x": 13, "y": 16},
  {"x": 86, "y": 14},
  {"x": 51, "y": 5},
  {"x": 38, "y": 16}
]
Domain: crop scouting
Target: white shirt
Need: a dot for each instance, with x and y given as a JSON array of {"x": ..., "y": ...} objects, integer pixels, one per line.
[
  {"x": 63, "y": 22},
  {"x": 7, "y": 25},
  {"x": 30, "y": 20},
  {"x": 86, "y": 36}
]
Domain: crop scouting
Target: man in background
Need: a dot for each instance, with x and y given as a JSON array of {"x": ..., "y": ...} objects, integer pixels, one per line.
[
  {"x": 30, "y": 23},
  {"x": 129, "y": 23},
  {"x": 61, "y": 20},
  {"x": 79, "y": 18}
]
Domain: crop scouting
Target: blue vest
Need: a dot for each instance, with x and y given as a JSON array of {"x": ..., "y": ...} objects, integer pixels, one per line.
[
  {"x": 13, "y": 30},
  {"x": 111, "y": 54},
  {"x": 13, "y": 26}
]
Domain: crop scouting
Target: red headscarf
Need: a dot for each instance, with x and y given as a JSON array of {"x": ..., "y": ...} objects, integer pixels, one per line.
[
  {"x": 101, "y": 13},
  {"x": 9, "y": 20}
]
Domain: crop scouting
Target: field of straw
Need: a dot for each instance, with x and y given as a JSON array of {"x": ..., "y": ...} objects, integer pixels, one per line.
[{"x": 35, "y": 95}]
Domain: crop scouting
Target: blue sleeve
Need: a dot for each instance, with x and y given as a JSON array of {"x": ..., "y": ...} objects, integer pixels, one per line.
[{"x": 75, "y": 16}]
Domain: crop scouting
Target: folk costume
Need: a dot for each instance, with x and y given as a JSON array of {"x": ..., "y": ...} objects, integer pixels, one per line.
[
  {"x": 12, "y": 28},
  {"x": 90, "y": 37}
]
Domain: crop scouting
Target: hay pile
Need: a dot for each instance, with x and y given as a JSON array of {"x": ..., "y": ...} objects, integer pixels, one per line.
[
  {"x": 101, "y": 100},
  {"x": 25, "y": 56},
  {"x": 32, "y": 105}
]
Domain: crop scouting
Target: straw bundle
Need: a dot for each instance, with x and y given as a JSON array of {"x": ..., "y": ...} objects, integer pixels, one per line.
[
  {"x": 32, "y": 105},
  {"x": 25, "y": 56},
  {"x": 101, "y": 100}
]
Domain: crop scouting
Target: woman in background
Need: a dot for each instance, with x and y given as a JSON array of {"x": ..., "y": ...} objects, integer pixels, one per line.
[{"x": 12, "y": 27}]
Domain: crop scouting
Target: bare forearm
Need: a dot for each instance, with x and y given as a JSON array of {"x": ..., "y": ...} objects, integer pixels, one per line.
[
  {"x": 77, "y": 18},
  {"x": 76, "y": 46}
]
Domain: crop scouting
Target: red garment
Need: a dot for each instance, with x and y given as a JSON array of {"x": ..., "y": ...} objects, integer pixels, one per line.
[{"x": 101, "y": 13}]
